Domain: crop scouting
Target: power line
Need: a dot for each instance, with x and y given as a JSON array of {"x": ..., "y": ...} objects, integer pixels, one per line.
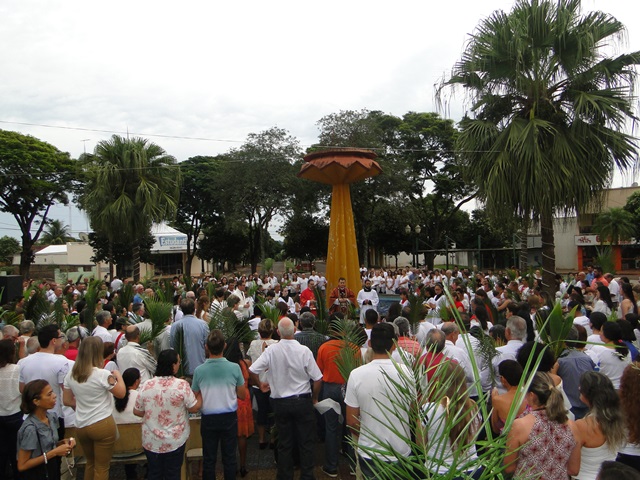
[
  {"x": 205, "y": 139},
  {"x": 97, "y": 130}
]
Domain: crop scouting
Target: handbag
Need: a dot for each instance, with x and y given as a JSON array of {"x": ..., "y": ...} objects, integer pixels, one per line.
[{"x": 48, "y": 471}]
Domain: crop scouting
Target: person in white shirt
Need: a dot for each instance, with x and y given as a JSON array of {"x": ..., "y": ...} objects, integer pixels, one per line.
[
  {"x": 292, "y": 397},
  {"x": 304, "y": 282},
  {"x": 116, "y": 284},
  {"x": 132, "y": 355},
  {"x": 322, "y": 282},
  {"x": 451, "y": 350},
  {"x": 123, "y": 407},
  {"x": 367, "y": 299},
  {"x": 516, "y": 333},
  {"x": 614, "y": 289},
  {"x": 103, "y": 319},
  {"x": 245, "y": 305},
  {"x": 370, "y": 387},
  {"x": 579, "y": 318},
  {"x": 46, "y": 365},
  {"x": 596, "y": 321}
]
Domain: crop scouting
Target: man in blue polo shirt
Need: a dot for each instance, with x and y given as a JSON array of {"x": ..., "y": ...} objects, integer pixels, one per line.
[{"x": 220, "y": 384}]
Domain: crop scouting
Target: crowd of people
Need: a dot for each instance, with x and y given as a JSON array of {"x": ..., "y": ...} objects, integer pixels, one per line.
[{"x": 456, "y": 357}]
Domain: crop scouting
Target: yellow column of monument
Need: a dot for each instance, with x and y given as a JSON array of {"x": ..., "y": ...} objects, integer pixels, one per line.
[{"x": 341, "y": 167}]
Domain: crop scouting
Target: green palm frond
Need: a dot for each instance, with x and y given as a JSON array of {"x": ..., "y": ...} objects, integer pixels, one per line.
[
  {"x": 227, "y": 322},
  {"x": 350, "y": 356},
  {"x": 10, "y": 317},
  {"x": 165, "y": 290},
  {"x": 159, "y": 312},
  {"x": 37, "y": 308},
  {"x": 407, "y": 402},
  {"x": 125, "y": 296}
]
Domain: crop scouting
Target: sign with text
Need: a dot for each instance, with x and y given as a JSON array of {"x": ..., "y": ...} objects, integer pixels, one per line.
[
  {"x": 594, "y": 241},
  {"x": 167, "y": 243}
]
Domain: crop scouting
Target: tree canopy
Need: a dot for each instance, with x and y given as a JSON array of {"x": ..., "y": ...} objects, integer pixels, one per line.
[
  {"x": 9, "y": 246},
  {"x": 549, "y": 110},
  {"x": 201, "y": 198},
  {"x": 34, "y": 175},
  {"x": 56, "y": 233},
  {"x": 258, "y": 180},
  {"x": 128, "y": 185}
]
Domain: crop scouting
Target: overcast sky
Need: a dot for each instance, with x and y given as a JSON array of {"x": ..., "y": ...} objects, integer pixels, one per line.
[{"x": 220, "y": 70}]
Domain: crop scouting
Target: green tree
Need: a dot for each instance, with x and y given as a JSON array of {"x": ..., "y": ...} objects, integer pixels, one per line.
[
  {"x": 56, "y": 233},
  {"x": 226, "y": 240},
  {"x": 305, "y": 237},
  {"x": 119, "y": 251},
  {"x": 9, "y": 246},
  {"x": 549, "y": 111},
  {"x": 614, "y": 225},
  {"x": 128, "y": 185},
  {"x": 493, "y": 234},
  {"x": 200, "y": 201},
  {"x": 258, "y": 180},
  {"x": 633, "y": 206},
  {"x": 372, "y": 130},
  {"x": 420, "y": 177},
  {"x": 34, "y": 175}
]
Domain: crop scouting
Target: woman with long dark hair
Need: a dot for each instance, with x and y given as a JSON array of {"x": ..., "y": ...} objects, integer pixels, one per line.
[
  {"x": 164, "y": 402},
  {"x": 602, "y": 430},
  {"x": 123, "y": 407},
  {"x": 39, "y": 449},
  {"x": 628, "y": 304},
  {"x": 630, "y": 401},
  {"x": 603, "y": 302},
  {"x": 613, "y": 356}
]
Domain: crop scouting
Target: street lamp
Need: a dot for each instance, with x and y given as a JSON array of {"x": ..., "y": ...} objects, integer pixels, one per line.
[{"x": 414, "y": 254}]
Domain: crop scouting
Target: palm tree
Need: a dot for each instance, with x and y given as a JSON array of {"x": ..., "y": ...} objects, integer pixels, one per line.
[
  {"x": 614, "y": 225},
  {"x": 549, "y": 112},
  {"x": 129, "y": 184},
  {"x": 56, "y": 233}
]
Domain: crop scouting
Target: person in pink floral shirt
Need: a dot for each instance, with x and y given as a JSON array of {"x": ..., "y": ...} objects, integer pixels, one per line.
[{"x": 163, "y": 403}]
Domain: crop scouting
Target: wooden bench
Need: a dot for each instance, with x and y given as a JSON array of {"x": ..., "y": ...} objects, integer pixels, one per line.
[
  {"x": 192, "y": 449},
  {"x": 128, "y": 448}
]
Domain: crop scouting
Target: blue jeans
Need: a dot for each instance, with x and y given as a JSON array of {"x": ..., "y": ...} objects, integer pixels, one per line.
[
  {"x": 295, "y": 421},
  {"x": 164, "y": 466},
  {"x": 221, "y": 428},
  {"x": 334, "y": 429}
]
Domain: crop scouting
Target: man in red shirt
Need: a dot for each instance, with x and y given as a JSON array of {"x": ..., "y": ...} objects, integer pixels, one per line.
[
  {"x": 308, "y": 297},
  {"x": 329, "y": 356},
  {"x": 341, "y": 298}
]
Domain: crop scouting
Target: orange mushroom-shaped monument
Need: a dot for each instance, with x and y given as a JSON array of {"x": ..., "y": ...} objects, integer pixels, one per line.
[{"x": 340, "y": 167}]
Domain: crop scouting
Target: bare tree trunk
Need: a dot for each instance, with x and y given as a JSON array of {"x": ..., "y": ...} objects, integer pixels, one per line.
[
  {"x": 110, "y": 260},
  {"x": 25, "y": 260},
  {"x": 524, "y": 246},
  {"x": 136, "y": 263},
  {"x": 548, "y": 254}
]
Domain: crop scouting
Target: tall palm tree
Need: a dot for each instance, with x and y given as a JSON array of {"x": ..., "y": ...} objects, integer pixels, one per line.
[
  {"x": 56, "y": 233},
  {"x": 614, "y": 225},
  {"x": 129, "y": 184},
  {"x": 549, "y": 111}
]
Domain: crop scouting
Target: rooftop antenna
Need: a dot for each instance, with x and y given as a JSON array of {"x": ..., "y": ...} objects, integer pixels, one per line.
[{"x": 84, "y": 142}]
